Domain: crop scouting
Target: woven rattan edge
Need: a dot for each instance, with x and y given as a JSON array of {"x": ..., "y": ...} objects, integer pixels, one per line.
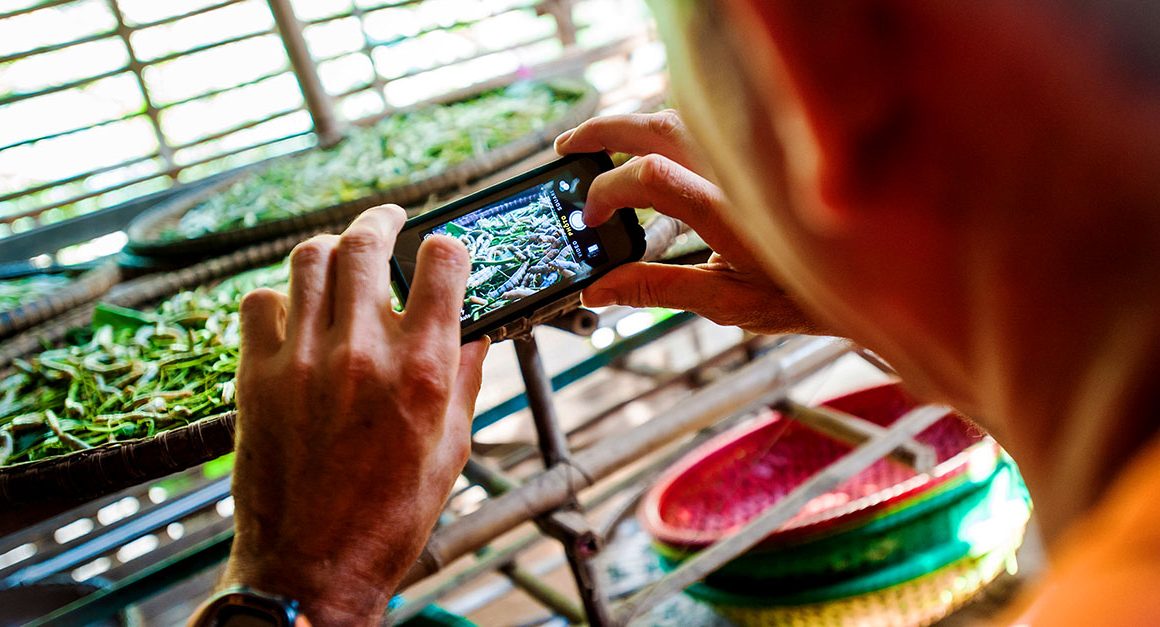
[
  {"x": 105, "y": 469},
  {"x": 87, "y": 287},
  {"x": 148, "y": 289}
]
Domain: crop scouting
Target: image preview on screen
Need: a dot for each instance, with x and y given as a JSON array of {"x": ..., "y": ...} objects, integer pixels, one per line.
[{"x": 524, "y": 244}]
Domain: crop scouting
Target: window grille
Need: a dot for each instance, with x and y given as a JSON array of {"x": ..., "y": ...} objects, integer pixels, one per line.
[{"x": 102, "y": 101}]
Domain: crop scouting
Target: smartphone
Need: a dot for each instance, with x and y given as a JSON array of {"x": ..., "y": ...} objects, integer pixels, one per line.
[{"x": 528, "y": 242}]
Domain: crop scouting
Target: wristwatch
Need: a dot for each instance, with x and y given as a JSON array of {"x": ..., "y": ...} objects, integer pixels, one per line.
[{"x": 240, "y": 606}]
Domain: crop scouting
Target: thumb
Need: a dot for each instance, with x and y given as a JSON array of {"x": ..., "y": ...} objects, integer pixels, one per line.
[
  {"x": 644, "y": 284},
  {"x": 723, "y": 296}
]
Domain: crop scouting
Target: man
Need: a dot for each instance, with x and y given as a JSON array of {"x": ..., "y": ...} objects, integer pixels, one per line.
[{"x": 968, "y": 188}]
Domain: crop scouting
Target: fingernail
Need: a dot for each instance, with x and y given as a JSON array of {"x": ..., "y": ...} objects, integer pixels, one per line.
[
  {"x": 596, "y": 297},
  {"x": 564, "y": 137}
]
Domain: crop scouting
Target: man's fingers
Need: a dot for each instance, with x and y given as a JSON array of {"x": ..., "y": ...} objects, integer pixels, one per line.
[
  {"x": 310, "y": 290},
  {"x": 671, "y": 189},
  {"x": 639, "y": 134},
  {"x": 263, "y": 315},
  {"x": 436, "y": 297},
  {"x": 362, "y": 256},
  {"x": 461, "y": 407}
]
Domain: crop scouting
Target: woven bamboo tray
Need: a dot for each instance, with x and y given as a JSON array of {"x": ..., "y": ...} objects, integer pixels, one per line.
[
  {"x": 111, "y": 467},
  {"x": 962, "y": 523},
  {"x": 87, "y": 287},
  {"x": 145, "y": 232},
  {"x": 687, "y": 509}
]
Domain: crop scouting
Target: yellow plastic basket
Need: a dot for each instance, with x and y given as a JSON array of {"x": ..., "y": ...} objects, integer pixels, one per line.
[{"x": 920, "y": 601}]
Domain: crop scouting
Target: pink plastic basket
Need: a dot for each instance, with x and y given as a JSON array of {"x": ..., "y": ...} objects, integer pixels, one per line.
[{"x": 729, "y": 480}]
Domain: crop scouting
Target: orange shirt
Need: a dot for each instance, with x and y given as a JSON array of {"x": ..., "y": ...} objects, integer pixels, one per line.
[{"x": 1105, "y": 569}]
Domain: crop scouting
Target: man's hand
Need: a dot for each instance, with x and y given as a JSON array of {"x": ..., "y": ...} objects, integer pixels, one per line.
[
  {"x": 354, "y": 420},
  {"x": 731, "y": 288}
]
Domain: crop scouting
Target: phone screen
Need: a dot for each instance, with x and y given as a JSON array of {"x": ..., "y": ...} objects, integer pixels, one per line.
[
  {"x": 527, "y": 240},
  {"x": 523, "y": 244}
]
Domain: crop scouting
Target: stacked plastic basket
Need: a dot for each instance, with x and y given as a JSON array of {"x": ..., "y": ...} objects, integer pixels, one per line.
[{"x": 887, "y": 547}]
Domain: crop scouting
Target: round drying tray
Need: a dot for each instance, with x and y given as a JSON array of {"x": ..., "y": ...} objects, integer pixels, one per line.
[
  {"x": 110, "y": 467},
  {"x": 86, "y": 287},
  {"x": 145, "y": 232},
  {"x": 721, "y": 485},
  {"x": 952, "y": 519}
]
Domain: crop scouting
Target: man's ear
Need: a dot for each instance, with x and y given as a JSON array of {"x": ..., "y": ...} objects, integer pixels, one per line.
[{"x": 832, "y": 72}]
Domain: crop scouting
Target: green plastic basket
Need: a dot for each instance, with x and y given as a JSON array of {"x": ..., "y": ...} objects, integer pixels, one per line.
[
  {"x": 946, "y": 516},
  {"x": 435, "y": 616},
  {"x": 919, "y": 601}
]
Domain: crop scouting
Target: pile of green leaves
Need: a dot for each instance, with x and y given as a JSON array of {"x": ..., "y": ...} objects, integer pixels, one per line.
[
  {"x": 138, "y": 373},
  {"x": 17, "y": 292},
  {"x": 400, "y": 149}
]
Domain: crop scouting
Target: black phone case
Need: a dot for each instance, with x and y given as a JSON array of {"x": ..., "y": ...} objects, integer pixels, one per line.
[{"x": 528, "y": 310}]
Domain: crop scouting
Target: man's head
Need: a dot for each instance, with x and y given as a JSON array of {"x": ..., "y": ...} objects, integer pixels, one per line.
[{"x": 967, "y": 187}]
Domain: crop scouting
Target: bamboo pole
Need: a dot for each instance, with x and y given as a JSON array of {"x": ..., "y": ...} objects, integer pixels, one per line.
[
  {"x": 318, "y": 102},
  {"x": 833, "y": 475},
  {"x": 692, "y": 375},
  {"x": 546, "y": 595},
  {"x": 570, "y": 527},
  {"x": 660, "y": 234},
  {"x": 490, "y": 559},
  {"x": 763, "y": 381},
  {"x": 559, "y": 524},
  {"x": 581, "y": 321},
  {"x": 855, "y": 431}
]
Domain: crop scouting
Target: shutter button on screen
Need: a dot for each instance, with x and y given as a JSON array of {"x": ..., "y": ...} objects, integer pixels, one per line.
[{"x": 576, "y": 219}]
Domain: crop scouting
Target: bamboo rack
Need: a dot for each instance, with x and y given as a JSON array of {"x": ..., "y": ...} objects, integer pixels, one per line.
[{"x": 764, "y": 381}]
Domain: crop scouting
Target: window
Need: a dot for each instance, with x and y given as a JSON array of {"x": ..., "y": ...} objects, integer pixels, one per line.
[{"x": 102, "y": 101}]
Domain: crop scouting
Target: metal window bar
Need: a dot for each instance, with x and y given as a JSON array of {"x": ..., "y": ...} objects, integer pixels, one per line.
[
  {"x": 234, "y": 129},
  {"x": 221, "y": 90},
  {"x": 204, "y": 47},
  {"x": 181, "y": 16},
  {"x": 482, "y": 53},
  {"x": 77, "y": 129},
  {"x": 70, "y": 179},
  {"x": 370, "y": 9},
  {"x": 58, "y": 46},
  {"x": 18, "y": 96}
]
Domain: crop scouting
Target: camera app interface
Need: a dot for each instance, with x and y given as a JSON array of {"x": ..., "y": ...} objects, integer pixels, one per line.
[{"x": 526, "y": 243}]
